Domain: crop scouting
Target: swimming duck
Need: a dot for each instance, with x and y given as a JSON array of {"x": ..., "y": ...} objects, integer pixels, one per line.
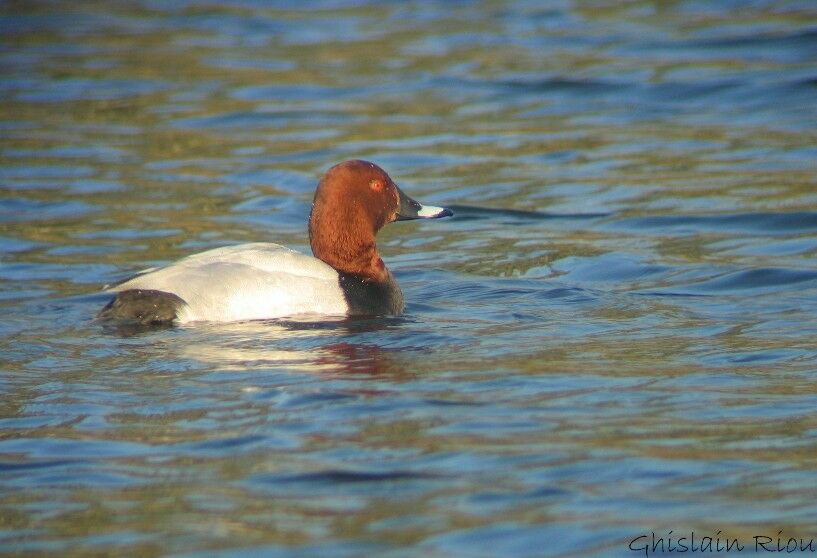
[{"x": 262, "y": 280}]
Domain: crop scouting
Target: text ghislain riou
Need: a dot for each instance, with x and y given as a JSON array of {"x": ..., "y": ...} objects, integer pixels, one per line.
[{"x": 691, "y": 542}]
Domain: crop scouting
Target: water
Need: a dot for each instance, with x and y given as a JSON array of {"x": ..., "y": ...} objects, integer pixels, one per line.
[{"x": 614, "y": 336}]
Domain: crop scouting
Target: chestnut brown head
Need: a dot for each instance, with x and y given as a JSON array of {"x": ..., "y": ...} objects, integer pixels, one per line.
[{"x": 353, "y": 201}]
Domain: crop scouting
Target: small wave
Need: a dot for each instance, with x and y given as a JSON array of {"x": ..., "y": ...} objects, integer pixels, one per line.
[
  {"x": 472, "y": 213},
  {"x": 335, "y": 476},
  {"x": 561, "y": 84},
  {"x": 31, "y": 465},
  {"x": 761, "y": 222},
  {"x": 34, "y": 211},
  {"x": 801, "y": 39},
  {"x": 762, "y": 278},
  {"x": 232, "y": 444}
]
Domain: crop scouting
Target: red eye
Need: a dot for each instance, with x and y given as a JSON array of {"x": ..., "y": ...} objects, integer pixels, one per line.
[{"x": 377, "y": 185}]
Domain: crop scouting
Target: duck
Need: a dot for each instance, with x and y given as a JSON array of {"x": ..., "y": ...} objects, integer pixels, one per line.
[{"x": 262, "y": 280}]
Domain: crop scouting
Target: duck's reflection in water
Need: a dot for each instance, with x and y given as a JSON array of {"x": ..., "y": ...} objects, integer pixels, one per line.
[{"x": 312, "y": 347}]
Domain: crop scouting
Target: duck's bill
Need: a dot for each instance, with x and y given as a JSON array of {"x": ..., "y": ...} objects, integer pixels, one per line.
[{"x": 412, "y": 209}]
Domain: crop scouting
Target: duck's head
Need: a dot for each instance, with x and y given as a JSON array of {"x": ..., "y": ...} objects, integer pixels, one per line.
[{"x": 353, "y": 201}]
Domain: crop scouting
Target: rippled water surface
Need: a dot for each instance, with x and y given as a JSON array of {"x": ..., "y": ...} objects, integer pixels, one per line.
[{"x": 615, "y": 336}]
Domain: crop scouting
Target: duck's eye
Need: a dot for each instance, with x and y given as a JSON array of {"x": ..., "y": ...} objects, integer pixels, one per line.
[{"x": 377, "y": 185}]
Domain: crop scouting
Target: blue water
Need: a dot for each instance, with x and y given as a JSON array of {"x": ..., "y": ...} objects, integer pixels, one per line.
[{"x": 613, "y": 337}]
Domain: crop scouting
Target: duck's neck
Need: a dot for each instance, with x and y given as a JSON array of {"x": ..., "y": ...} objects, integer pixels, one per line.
[
  {"x": 348, "y": 250},
  {"x": 369, "y": 287}
]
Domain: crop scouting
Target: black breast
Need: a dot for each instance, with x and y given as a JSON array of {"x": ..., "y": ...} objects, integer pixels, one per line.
[{"x": 370, "y": 298}]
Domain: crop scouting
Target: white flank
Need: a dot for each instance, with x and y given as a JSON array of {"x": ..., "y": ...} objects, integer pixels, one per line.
[{"x": 247, "y": 282}]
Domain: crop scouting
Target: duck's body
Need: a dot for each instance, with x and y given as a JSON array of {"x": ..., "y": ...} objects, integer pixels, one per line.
[
  {"x": 265, "y": 281},
  {"x": 245, "y": 282}
]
